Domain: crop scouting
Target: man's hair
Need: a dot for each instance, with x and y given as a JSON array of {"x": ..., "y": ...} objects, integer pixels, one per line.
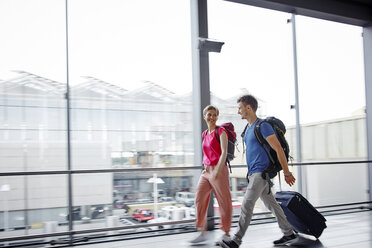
[
  {"x": 249, "y": 100},
  {"x": 210, "y": 107}
]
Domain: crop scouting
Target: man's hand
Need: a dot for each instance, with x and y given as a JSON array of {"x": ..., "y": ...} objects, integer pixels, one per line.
[{"x": 289, "y": 178}]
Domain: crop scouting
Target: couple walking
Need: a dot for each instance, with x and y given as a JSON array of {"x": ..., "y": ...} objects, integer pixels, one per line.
[{"x": 215, "y": 176}]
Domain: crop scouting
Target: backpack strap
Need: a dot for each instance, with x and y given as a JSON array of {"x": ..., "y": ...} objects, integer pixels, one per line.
[
  {"x": 216, "y": 133},
  {"x": 266, "y": 177},
  {"x": 263, "y": 142},
  {"x": 242, "y": 135}
]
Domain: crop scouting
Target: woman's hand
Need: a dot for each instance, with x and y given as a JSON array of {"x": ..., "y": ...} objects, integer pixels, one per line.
[{"x": 216, "y": 173}]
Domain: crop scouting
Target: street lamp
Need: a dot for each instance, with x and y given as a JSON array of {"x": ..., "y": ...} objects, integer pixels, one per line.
[{"x": 155, "y": 180}]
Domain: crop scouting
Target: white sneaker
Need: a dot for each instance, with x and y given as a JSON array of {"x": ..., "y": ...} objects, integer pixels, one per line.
[
  {"x": 201, "y": 239},
  {"x": 224, "y": 237}
]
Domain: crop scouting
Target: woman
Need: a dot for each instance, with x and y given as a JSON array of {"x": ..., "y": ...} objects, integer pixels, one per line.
[{"x": 215, "y": 176}]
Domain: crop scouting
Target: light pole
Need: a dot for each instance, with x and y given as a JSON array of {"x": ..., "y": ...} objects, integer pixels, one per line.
[{"x": 155, "y": 180}]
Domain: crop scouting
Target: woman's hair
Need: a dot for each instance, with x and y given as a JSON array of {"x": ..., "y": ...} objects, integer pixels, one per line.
[
  {"x": 248, "y": 100},
  {"x": 210, "y": 107}
]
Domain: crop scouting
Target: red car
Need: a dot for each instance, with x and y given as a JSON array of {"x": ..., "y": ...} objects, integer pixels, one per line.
[{"x": 143, "y": 214}]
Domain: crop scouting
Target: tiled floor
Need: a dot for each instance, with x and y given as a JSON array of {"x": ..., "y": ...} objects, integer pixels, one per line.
[{"x": 344, "y": 231}]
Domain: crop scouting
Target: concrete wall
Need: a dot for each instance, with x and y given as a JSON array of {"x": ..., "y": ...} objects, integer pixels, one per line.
[
  {"x": 334, "y": 140},
  {"x": 50, "y": 191}
]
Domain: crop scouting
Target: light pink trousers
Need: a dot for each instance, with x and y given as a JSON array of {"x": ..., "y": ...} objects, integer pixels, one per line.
[{"x": 221, "y": 189}]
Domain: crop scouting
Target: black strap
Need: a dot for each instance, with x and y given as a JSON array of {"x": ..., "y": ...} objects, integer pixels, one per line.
[
  {"x": 261, "y": 140},
  {"x": 216, "y": 131},
  {"x": 242, "y": 135},
  {"x": 228, "y": 163},
  {"x": 267, "y": 178},
  {"x": 245, "y": 129}
]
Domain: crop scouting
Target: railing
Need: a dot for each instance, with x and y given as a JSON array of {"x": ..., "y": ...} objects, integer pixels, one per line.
[{"x": 99, "y": 235}]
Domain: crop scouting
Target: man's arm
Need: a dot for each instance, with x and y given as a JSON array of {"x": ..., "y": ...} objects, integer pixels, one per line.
[{"x": 275, "y": 144}]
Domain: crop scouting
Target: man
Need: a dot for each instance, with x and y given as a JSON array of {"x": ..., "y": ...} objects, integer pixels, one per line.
[{"x": 258, "y": 187}]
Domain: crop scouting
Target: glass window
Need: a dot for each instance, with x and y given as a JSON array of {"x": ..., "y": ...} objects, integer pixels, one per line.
[
  {"x": 255, "y": 59},
  {"x": 32, "y": 107},
  {"x": 130, "y": 69},
  {"x": 332, "y": 108},
  {"x": 130, "y": 74},
  {"x": 130, "y": 84}
]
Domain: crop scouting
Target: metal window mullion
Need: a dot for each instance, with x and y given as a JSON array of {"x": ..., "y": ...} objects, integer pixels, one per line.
[
  {"x": 68, "y": 127},
  {"x": 367, "y": 47},
  {"x": 301, "y": 178},
  {"x": 201, "y": 85}
]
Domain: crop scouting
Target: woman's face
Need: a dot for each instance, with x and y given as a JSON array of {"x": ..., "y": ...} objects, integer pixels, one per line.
[{"x": 211, "y": 117}]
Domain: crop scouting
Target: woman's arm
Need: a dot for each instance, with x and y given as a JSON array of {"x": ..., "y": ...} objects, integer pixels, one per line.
[{"x": 222, "y": 161}]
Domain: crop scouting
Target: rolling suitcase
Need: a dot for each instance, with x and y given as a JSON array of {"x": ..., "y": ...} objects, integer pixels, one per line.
[{"x": 302, "y": 216}]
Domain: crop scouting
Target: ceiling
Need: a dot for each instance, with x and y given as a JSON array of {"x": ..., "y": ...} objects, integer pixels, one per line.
[{"x": 354, "y": 12}]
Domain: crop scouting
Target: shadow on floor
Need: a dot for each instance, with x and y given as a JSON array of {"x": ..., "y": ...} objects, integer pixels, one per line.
[{"x": 306, "y": 243}]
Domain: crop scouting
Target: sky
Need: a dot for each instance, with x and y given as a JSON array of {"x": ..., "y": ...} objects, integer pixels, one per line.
[
  {"x": 127, "y": 42},
  {"x": 258, "y": 54}
]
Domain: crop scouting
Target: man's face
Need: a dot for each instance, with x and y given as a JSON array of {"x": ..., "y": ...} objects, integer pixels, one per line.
[{"x": 243, "y": 110}]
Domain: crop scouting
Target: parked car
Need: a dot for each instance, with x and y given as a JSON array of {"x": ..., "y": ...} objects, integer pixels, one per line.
[
  {"x": 75, "y": 214},
  {"x": 119, "y": 204},
  {"x": 161, "y": 193},
  {"x": 186, "y": 198},
  {"x": 159, "y": 220},
  {"x": 167, "y": 199},
  {"x": 98, "y": 212},
  {"x": 143, "y": 214}
]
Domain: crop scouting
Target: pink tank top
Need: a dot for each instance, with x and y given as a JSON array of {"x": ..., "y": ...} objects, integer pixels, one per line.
[{"x": 211, "y": 147}]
